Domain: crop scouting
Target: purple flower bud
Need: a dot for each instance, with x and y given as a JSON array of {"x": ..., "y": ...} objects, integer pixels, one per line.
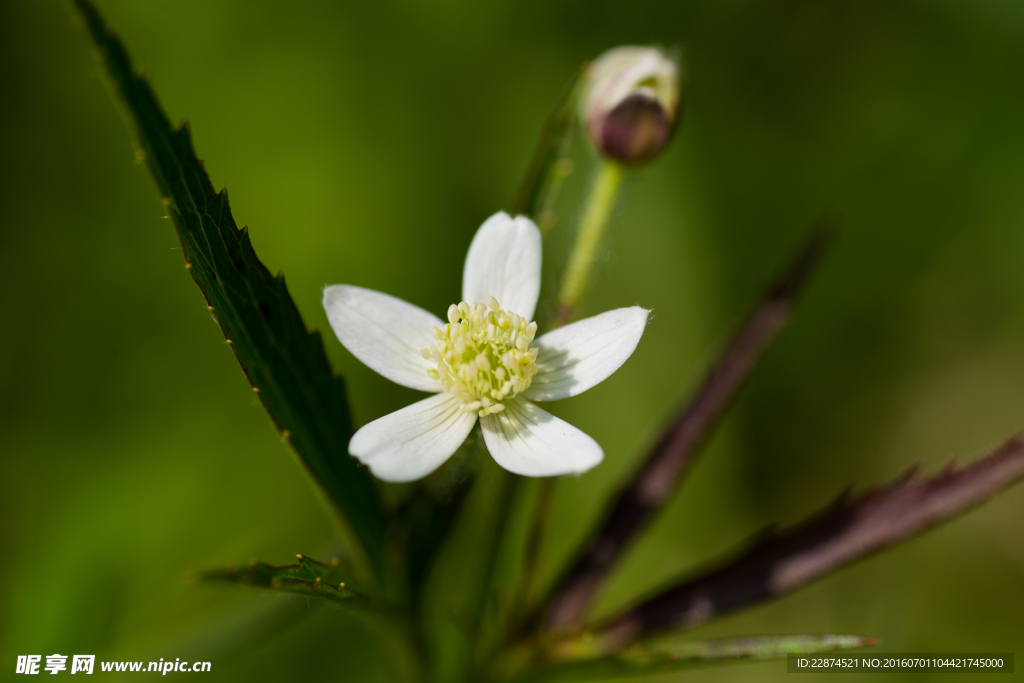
[{"x": 630, "y": 103}]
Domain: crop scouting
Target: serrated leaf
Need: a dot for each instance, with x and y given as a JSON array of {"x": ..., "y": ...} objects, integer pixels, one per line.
[
  {"x": 640, "y": 661},
  {"x": 284, "y": 362},
  {"x": 307, "y": 577}
]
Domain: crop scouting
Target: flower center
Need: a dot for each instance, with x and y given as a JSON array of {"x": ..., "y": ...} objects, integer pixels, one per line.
[{"x": 483, "y": 355}]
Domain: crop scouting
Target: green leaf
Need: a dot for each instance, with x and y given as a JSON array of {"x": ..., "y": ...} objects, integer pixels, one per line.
[
  {"x": 284, "y": 362},
  {"x": 331, "y": 582},
  {"x": 308, "y": 577},
  {"x": 665, "y": 658}
]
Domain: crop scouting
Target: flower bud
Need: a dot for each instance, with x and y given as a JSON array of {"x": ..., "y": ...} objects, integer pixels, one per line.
[{"x": 630, "y": 103}]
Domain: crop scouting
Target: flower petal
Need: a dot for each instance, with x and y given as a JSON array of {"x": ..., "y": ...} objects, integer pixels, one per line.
[
  {"x": 504, "y": 262},
  {"x": 413, "y": 442},
  {"x": 384, "y": 333},
  {"x": 528, "y": 440},
  {"x": 574, "y": 358}
]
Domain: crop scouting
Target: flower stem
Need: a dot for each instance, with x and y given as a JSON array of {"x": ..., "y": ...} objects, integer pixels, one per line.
[
  {"x": 598, "y": 209},
  {"x": 508, "y": 485},
  {"x": 531, "y": 554}
]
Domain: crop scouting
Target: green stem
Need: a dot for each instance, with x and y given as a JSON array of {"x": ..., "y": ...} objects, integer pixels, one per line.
[
  {"x": 531, "y": 554},
  {"x": 545, "y": 215},
  {"x": 596, "y": 212},
  {"x": 508, "y": 486}
]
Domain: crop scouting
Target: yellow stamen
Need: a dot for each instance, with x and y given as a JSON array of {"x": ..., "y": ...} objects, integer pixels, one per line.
[{"x": 483, "y": 356}]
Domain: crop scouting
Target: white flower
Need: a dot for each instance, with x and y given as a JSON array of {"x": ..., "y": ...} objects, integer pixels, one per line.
[{"x": 483, "y": 363}]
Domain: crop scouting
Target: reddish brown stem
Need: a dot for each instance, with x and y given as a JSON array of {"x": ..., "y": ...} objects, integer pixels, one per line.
[
  {"x": 663, "y": 470},
  {"x": 846, "y": 531}
]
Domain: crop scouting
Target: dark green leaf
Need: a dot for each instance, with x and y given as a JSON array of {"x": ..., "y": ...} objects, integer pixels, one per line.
[
  {"x": 284, "y": 362},
  {"x": 308, "y": 577},
  {"x": 332, "y": 582},
  {"x": 639, "y": 661}
]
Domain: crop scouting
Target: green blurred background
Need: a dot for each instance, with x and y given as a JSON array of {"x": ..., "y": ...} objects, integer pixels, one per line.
[{"x": 364, "y": 143}]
